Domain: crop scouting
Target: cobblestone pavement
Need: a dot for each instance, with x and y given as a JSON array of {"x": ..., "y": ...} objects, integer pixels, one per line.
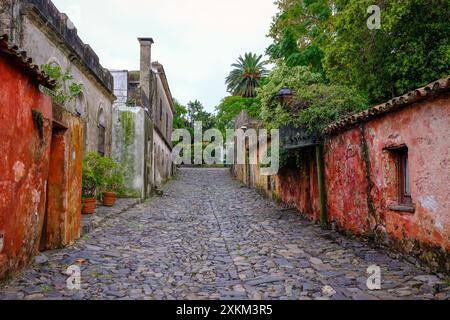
[{"x": 210, "y": 238}]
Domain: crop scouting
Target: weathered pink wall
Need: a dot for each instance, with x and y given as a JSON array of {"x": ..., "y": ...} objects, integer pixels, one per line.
[
  {"x": 24, "y": 160},
  {"x": 346, "y": 183},
  {"x": 424, "y": 128},
  {"x": 299, "y": 187}
]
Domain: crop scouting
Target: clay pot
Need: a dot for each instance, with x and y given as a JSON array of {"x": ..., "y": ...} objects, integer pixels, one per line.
[
  {"x": 89, "y": 205},
  {"x": 109, "y": 199}
]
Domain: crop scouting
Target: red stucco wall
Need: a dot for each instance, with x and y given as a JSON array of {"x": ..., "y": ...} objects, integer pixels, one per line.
[
  {"x": 346, "y": 183},
  {"x": 425, "y": 129},
  {"x": 24, "y": 160},
  {"x": 299, "y": 187}
]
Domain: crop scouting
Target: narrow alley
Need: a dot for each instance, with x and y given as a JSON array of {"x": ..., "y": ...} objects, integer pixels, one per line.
[{"x": 208, "y": 237}]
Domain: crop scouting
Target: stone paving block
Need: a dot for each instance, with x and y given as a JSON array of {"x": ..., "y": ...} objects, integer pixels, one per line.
[{"x": 208, "y": 238}]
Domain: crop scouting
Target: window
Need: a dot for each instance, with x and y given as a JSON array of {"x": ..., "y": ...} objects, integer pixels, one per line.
[
  {"x": 404, "y": 178},
  {"x": 160, "y": 110},
  {"x": 404, "y": 201}
]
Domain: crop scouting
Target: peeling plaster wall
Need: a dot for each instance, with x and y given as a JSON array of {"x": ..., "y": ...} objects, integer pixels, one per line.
[
  {"x": 24, "y": 161},
  {"x": 362, "y": 181},
  {"x": 45, "y": 44},
  {"x": 299, "y": 187},
  {"x": 129, "y": 146},
  {"x": 93, "y": 98},
  {"x": 69, "y": 195},
  {"x": 162, "y": 160},
  {"x": 424, "y": 128},
  {"x": 159, "y": 114}
]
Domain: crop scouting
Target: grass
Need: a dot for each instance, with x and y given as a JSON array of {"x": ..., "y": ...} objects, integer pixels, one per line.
[{"x": 46, "y": 289}]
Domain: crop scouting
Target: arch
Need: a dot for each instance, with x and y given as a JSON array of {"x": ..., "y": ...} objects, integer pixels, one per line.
[
  {"x": 80, "y": 105},
  {"x": 101, "y": 119},
  {"x": 54, "y": 62}
]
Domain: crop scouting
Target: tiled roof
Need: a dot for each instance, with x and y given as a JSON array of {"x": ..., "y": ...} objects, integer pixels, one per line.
[
  {"x": 417, "y": 95},
  {"x": 21, "y": 59}
]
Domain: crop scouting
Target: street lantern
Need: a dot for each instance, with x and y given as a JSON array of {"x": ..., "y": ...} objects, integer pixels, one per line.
[{"x": 285, "y": 95}]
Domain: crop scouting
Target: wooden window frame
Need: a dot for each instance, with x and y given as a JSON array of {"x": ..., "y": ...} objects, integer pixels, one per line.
[
  {"x": 404, "y": 201},
  {"x": 404, "y": 179}
]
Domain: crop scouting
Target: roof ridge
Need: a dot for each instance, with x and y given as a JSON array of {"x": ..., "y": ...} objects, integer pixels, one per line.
[
  {"x": 21, "y": 58},
  {"x": 390, "y": 106}
]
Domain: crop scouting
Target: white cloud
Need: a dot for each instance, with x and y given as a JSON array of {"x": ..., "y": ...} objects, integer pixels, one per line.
[{"x": 196, "y": 40}]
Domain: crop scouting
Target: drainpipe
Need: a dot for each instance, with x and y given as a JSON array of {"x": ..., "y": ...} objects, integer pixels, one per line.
[{"x": 322, "y": 186}]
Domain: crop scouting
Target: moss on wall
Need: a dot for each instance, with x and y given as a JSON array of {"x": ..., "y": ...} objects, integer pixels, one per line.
[
  {"x": 127, "y": 122},
  {"x": 128, "y": 126}
]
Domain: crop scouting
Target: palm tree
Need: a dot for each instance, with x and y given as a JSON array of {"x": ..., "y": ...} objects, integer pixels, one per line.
[{"x": 246, "y": 75}]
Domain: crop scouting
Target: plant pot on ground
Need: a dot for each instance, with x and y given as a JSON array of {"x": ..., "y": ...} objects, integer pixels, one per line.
[
  {"x": 109, "y": 199},
  {"x": 89, "y": 201},
  {"x": 89, "y": 205}
]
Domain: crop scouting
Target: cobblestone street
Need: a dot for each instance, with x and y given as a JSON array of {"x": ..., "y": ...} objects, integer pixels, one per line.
[{"x": 210, "y": 238}]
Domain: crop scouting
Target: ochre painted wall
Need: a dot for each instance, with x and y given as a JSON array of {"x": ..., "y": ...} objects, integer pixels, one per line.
[{"x": 24, "y": 161}]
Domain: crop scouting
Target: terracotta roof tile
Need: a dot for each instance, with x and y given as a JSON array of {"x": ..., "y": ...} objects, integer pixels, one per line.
[
  {"x": 433, "y": 88},
  {"x": 23, "y": 61}
]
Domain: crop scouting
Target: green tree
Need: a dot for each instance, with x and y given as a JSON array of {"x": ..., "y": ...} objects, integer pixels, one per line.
[
  {"x": 299, "y": 32},
  {"x": 196, "y": 112},
  {"x": 314, "y": 104},
  {"x": 246, "y": 76},
  {"x": 180, "y": 120},
  {"x": 411, "y": 49},
  {"x": 231, "y": 107}
]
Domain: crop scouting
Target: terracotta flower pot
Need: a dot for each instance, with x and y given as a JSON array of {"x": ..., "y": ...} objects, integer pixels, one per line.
[
  {"x": 109, "y": 199},
  {"x": 89, "y": 205}
]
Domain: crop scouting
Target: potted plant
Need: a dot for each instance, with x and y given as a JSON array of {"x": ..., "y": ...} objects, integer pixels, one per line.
[
  {"x": 89, "y": 190},
  {"x": 109, "y": 178},
  {"x": 113, "y": 184}
]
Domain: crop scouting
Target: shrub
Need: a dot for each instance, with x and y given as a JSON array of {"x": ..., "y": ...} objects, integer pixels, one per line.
[
  {"x": 107, "y": 173},
  {"x": 89, "y": 181}
]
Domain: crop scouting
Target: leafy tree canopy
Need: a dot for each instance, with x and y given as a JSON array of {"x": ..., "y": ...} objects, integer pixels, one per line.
[
  {"x": 180, "y": 120},
  {"x": 411, "y": 49},
  {"x": 196, "y": 112},
  {"x": 231, "y": 107},
  {"x": 298, "y": 31},
  {"x": 314, "y": 105}
]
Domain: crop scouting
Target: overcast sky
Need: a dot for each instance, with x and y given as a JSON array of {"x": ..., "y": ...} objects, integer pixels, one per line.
[{"x": 195, "y": 40}]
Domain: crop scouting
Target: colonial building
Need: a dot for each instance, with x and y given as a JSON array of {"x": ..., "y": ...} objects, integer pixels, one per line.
[
  {"x": 143, "y": 124},
  {"x": 385, "y": 177},
  {"x": 51, "y": 38},
  {"x": 40, "y": 164}
]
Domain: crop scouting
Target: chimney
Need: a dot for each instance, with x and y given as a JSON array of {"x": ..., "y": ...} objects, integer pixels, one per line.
[{"x": 145, "y": 71}]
